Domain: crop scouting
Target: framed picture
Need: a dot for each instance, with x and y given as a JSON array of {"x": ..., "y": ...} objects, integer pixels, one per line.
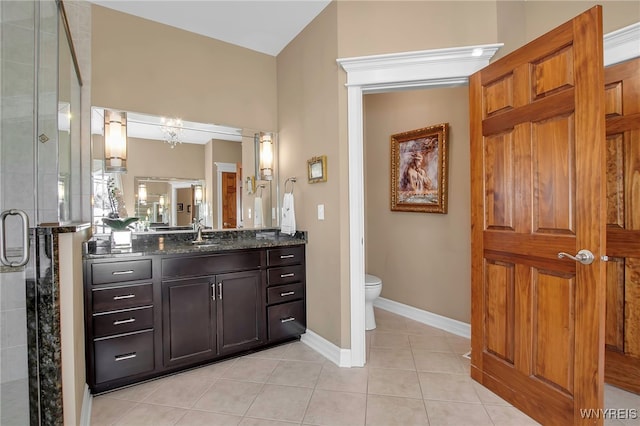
[
  {"x": 317, "y": 169},
  {"x": 180, "y": 207},
  {"x": 419, "y": 170}
]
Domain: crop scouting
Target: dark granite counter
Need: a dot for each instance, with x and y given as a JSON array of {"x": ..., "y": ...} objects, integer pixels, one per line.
[{"x": 158, "y": 243}]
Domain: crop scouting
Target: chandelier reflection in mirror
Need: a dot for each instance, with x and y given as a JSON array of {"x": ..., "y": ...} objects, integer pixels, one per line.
[{"x": 171, "y": 130}]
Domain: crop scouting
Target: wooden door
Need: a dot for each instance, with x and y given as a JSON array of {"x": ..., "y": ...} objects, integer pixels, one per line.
[
  {"x": 229, "y": 203},
  {"x": 622, "y": 337},
  {"x": 538, "y": 189},
  {"x": 241, "y": 310},
  {"x": 188, "y": 320}
]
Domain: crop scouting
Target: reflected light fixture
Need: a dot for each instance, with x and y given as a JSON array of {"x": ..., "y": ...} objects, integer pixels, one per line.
[
  {"x": 161, "y": 200},
  {"x": 115, "y": 141},
  {"x": 197, "y": 194},
  {"x": 266, "y": 155},
  {"x": 171, "y": 130},
  {"x": 142, "y": 193}
]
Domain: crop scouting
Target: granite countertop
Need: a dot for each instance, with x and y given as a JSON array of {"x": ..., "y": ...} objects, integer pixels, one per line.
[{"x": 99, "y": 247}]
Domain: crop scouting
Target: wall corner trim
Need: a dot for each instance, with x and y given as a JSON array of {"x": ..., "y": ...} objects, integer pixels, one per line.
[
  {"x": 85, "y": 413},
  {"x": 340, "y": 357},
  {"x": 456, "y": 327},
  {"x": 622, "y": 44}
]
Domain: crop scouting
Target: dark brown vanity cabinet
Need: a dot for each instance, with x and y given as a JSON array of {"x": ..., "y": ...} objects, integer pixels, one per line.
[
  {"x": 286, "y": 312},
  {"x": 154, "y": 315},
  {"x": 210, "y": 316}
]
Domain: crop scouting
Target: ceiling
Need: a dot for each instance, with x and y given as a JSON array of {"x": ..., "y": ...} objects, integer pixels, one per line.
[{"x": 265, "y": 26}]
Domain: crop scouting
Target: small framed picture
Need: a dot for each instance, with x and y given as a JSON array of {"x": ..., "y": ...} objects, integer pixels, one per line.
[
  {"x": 180, "y": 207},
  {"x": 317, "y": 169}
]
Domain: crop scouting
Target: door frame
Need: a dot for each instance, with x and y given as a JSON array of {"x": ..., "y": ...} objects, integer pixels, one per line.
[{"x": 412, "y": 70}]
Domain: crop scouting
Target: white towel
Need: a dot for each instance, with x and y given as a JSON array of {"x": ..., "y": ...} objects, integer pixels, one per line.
[
  {"x": 288, "y": 224},
  {"x": 257, "y": 212}
]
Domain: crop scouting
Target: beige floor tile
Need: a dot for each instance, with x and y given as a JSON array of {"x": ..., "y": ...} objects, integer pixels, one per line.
[
  {"x": 448, "y": 387},
  {"x": 138, "y": 392},
  {"x": 334, "y": 378},
  {"x": 179, "y": 391},
  {"x": 336, "y": 408},
  {"x": 298, "y": 351},
  {"x": 251, "y": 369},
  {"x": 205, "y": 418},
  {"x": 250, "y": 421},
  {"x": 153, "y": 415},
  {"x": 296, "y": 373},
  {"x": 415, "y": 327},
  {"x": 393, "y": 382},
  {"x": 389, "y": 410},
  {"x": 391, "y": 324},
  {"x": 383, "y": 339},
  {"x": 437, "y": 361},
  {"x": 429, "y": 343},
  {"x": 106, "y": 410},
  {"x": 391, "y": 358},
  {"x": 276, "y": 402},
  {"x": 212, "y": 371},
  {"x": 229, "y": 397},
  {"x": 457, "y": 414},
  {"x": 508, "y": 416},
  {"x": 276, "y": 352}
]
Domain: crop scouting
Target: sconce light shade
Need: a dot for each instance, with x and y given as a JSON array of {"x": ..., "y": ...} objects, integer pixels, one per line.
[
  {"x": 161, "y": 200},
  {"x": 197, "y": 194},
  {"x": 115, "y": 141},
  {"x": 142, "y": 193},
  {"x": 266, "y": 156}
]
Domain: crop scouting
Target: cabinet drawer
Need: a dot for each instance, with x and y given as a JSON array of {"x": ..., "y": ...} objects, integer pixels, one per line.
[
  {"x": 211, "y": 265},
  {"x": 116, "y": 298},
  {"x": 286, "y": 320},
  {"x": 285, "y": 256},
  {"x": 123, "y": 356},
  {"x": 285, "y": 275},
  {"x": 124, "y": 321},
  {"x": 116, "y": 272},
  {"x": 285, "y": 293}
]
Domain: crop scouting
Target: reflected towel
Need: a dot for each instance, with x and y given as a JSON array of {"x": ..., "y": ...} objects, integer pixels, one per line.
[
  {"x": 288, "y": 224},
  {"x": 257, "y": 212}
]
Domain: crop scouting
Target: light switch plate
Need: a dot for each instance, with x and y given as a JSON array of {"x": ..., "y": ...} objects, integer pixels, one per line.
[{"x": 320, "y": 211}]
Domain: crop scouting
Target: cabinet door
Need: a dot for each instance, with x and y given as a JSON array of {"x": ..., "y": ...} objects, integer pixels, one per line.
[
  {"x": 241, "y": 310},
  {"x": 188, "y": 320}
]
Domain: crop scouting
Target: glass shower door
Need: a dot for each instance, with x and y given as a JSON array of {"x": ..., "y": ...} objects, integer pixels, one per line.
[{"x": 17, "y": 171}]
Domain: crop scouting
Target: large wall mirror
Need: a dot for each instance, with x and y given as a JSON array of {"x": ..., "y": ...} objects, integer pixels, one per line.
[{"x": 172, "y": 172}]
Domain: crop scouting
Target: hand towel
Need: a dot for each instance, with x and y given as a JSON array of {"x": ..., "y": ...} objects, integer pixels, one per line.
[
  {"x": 257, "y": 212},
  {"x": 288, "y": 224}
]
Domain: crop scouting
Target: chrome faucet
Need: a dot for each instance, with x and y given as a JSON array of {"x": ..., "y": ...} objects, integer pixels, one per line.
[{"x": 197, "y": 226}]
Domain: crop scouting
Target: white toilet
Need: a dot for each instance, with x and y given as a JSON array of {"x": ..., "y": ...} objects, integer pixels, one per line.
[{"x": 372, "y": 289}]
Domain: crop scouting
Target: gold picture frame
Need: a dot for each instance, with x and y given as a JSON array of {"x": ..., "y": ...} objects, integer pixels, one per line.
[
  {"x": 419, "y": 170},
  {"x": 317, "y": 169}
]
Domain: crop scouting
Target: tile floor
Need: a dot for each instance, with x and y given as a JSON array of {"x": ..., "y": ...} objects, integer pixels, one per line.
[{"x": 415, "y": 375}]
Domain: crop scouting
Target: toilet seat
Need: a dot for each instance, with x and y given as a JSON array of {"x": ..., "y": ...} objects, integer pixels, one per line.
[{"x": 371, "y": 280}]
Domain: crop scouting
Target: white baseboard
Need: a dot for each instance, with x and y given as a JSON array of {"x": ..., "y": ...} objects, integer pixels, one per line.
[
  {"x": 340, "y": 357},
  {"x": 434, "y": 320},
  {"x": 85, "y": 414}
]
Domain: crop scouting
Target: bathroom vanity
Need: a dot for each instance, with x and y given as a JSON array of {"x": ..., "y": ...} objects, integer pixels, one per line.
[{"x": 167, "y": 304}]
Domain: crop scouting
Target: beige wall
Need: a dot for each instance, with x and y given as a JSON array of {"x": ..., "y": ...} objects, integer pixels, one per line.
[
  {"x": 142, "y": 66},
  {"x": 424, "y": 259},
  {"x": 72, "y": 324},
  {"x": 308, "y": 87}
]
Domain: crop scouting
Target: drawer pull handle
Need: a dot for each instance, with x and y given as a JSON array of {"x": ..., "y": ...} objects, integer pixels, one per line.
[
  {"x": 287, "y": 319},
  {"x": 124, "y": 296},
  {"x": 126, "y": 356},
  {"x": 291, "y": 274},
  {"x": 130, "y": 271},
  {"x": 288, "y": 293},
  {"x": 287, "y": 256},
  {"x": 127, "y": 321}
]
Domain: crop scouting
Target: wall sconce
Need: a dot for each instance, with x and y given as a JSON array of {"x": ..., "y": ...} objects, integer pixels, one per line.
[
  {"x": 161, "y": 200},
  {"x": 197, "y": 194},
  {"x": 142, "y": 193},
  {"x": 265, "y": 154},
  {"x": 115, "y": 141}
]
